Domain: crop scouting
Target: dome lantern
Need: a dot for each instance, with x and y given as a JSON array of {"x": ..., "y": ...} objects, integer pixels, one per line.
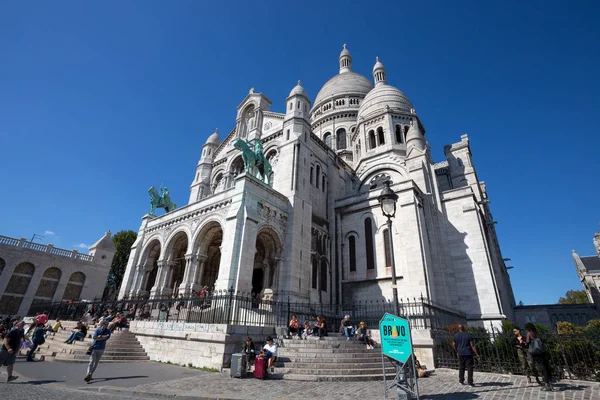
[
  {"x": 345, "y": 60},
  {"x": 379, "y": 72}
]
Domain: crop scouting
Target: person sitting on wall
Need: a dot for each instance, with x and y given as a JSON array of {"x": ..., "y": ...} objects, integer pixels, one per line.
[
  {"x": 347, "y": 327},
  {"x": 249, "y": 350},
  {"x": 269, "y": 351},
  {"x": 293, "y": 326}
]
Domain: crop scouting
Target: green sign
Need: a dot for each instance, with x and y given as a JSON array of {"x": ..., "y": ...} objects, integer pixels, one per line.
[{"x": 395, "y": 337}]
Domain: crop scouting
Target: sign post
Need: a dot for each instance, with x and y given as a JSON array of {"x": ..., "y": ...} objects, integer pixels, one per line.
[{"x": 396, "y": 344}]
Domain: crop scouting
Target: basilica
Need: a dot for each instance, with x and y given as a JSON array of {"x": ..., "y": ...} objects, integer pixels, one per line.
[{"x": 311, "y": 227}]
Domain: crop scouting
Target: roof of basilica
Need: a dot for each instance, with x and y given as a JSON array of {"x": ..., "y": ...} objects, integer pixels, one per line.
[{"x": 344, "y": 83}]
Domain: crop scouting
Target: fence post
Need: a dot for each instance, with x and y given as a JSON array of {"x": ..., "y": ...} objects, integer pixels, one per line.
[
  {"x": 496, "y": 349},
  {"x": 230, "y": 305}
]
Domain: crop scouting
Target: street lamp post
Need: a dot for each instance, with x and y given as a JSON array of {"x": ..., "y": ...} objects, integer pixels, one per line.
[{"x": 387, "y": 200}]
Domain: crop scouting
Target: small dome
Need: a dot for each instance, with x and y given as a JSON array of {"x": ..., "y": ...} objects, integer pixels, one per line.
[
  {"x": 378, "y": 65},
  {"x": 298, "y": 90},
  {"x": 214, "y": 138},
  {"x": 346, "y": 83},
  {"x": 345, "y": 52},
  {"x": 382, "y": 97}
]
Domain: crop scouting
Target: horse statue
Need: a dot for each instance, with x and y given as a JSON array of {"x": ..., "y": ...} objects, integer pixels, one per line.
[
  {"x": 255, "y": 158},
  {"x": 161, "y": 201}
]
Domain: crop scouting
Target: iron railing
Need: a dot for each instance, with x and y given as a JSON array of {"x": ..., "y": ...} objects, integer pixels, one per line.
[
  {"x": 227, "y": 307},
  {"x": 572, "y": 356}
]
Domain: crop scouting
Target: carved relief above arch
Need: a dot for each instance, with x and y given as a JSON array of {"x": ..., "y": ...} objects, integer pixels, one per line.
[{"x": 372, "y": 178}]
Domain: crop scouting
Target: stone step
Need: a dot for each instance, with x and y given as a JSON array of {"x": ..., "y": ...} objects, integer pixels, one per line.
[
  {"x": 333, "y": 371},
  {"x": 339, "y": 378},
  {"x": 341, "y": 360},
  {"x": 310, "y": 350},
  {"x": 330, "y": 365},
  {"x": 320, "y": 345}
]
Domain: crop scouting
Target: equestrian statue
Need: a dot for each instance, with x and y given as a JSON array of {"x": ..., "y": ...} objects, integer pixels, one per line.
[
  {"x": 161, "y": 201},
  {"x": 255, "y": 158}
]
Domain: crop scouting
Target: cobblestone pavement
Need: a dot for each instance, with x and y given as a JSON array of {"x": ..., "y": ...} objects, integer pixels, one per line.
[{"x": 442, "y": 385}]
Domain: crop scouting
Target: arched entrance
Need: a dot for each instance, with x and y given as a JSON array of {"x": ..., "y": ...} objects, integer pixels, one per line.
[
  {"x": 149, "y": 268},
  {"x": 176, "y": 251},
  {"x": 266, "y": 259},
  {"x": 16, "y": 289},
  {"x": 208, "y": 245}
]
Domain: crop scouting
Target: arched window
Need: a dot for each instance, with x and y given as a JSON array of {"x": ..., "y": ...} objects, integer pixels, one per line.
[
  {"x": 323, "y": 183},
  {"x": 317, "y": 176},
  {"x": 315, "y": 272},
  {"x": 380, "y": 136},
  {"x": 405, "y": 132},
  {"x": 369, "y": 243},
  {"x": 341, "y": 139},
  {"x": 387, "y": 247},
  {"x": 323, "y": 278},
  {"x": 398, "y": 134},
  {"x": 372, "y": 141},
  {"x": 327, "y": 139},
  {"x": 287, "y": 136},
  {"x": 352, "y": 253},
  {"x": 291, "y": 104},
  {"x": 311, "y": 174}
]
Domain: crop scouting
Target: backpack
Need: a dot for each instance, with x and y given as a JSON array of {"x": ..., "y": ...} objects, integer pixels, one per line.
[{"x": 536, "y": 347}]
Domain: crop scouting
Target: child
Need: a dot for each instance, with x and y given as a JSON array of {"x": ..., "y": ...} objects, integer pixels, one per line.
[
  {"x": 270, "y": 351},
  {"x": 307, "y": 329}
]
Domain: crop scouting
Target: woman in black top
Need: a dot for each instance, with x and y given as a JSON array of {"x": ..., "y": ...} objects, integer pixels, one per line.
[
  {"x": 539, "y": 358},
  {"x": 249, "y": 350},
  {"x": 527, "y": 364}
]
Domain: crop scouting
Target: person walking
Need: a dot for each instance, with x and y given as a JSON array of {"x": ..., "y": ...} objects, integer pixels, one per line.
[
  {"x": 10, "y": 347},
  {"x": 101, "y": 335},
  {"x": 464, "y": 347},
  {"x": 38, "y": 339},
  {"x": 538, "y": 353}
]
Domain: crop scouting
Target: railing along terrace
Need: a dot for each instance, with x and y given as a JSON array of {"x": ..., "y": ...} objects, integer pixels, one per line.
[
  {"x": 227, "y": 307},
  {"x": 44, "y": 248},
  {"x": 572, "y": 356}
]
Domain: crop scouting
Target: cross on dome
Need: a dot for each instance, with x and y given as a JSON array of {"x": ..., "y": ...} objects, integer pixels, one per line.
[{"x": 345, "y": 60}]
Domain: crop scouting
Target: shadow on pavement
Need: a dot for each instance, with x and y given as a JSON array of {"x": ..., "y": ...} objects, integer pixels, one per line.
[
  {"x": 99, "y": 380},
  {"x": 30, "y": 382},
  {"x": 482, "y": 384},
  {"x": 559, "y": 387},
  {"x": 450, "y": 396}
]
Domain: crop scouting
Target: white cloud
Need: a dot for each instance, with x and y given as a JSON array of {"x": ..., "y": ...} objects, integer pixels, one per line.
[
  {"x": 49, "y": 233},
  {"x": 83, "y": 246}
]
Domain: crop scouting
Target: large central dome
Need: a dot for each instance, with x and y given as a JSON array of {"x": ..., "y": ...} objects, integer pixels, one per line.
[{"x": 344, "y": 83}]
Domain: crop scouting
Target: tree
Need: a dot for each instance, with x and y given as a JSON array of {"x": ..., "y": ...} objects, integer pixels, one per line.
[
  {"x": 574, "y": 297},
  {"x": 123, "y": 241}
]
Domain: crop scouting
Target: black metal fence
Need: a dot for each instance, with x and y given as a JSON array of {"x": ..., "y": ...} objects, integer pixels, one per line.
[
  {"x": 227, "y": 307},
  {"x": 572, "y": 356}
]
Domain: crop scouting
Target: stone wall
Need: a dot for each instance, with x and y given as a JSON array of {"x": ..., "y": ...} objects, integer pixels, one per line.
[{"x": 202, "y": 345}]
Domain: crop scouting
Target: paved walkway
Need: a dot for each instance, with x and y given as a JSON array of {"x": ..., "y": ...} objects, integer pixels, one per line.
[{"x": 145, "y": 380}]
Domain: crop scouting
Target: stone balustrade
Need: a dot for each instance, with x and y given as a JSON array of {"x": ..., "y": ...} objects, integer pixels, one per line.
[{"x": 24, "y": 243}]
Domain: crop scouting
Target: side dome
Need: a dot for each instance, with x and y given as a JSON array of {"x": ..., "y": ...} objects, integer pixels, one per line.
[
  {"x": 345, "y": 83},
  {"x": 382, "y": 97},
  {"x": 298, "y": 90},
  {"x": 214, "y": 138}
]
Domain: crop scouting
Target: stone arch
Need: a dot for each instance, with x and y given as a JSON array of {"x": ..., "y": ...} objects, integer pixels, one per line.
[
  {"x": 266, "y": 257},
  {"x": 16, "y": 288},
  {"x": 47, "y": 286},
  {"x": 175, "y": 251},
  {"x": 207, "y": 247},
  {"x": 327, "y": 139},
  {"x": 150, "y": 256},
  {"x": 236, "y": 167},
  {"x": 74, "y": 287},
  {"x": 248, "y": 121},
  {"x": 394, "y": 172}
]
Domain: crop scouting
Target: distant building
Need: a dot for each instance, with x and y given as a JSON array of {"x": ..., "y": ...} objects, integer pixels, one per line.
[
  {"x": 550, "y": 314},
  {"x": 588, "y": 269},
  {"x": 33, "y": 273}
]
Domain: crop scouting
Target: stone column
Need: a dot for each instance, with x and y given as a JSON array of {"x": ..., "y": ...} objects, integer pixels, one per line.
[
  {"x": 138, "y": 276},
  {"x": 200, "y": 267},
  {"x": 267, "y": 275},
  {"x": 275, "y": 282},
  {"x": 161, "y": 275},
  {"x": 189, "y": 277}
]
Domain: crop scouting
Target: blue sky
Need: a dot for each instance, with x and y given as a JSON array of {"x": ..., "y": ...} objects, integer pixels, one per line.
[{"x": 99, "y": 101}]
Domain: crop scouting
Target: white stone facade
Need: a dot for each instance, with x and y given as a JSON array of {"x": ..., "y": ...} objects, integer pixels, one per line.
[
  {"x": 318, "y": 233},
  {"x": 32, "y": 273}
]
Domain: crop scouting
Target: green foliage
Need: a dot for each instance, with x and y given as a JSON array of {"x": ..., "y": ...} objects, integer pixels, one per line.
[
  {"x": 123, "y": 241},
  {"x": 508, "y": 326},
  {"x": 574, "y": 297},
  {"x": 542, "y": 329}
]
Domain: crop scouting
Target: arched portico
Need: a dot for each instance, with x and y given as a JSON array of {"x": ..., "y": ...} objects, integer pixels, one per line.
[
  {"x": 207, "y": 250},
  {"x": 146, "y": 271},
  {"x": 266, "y": 260},
  {"x": 172, "y": 265}
]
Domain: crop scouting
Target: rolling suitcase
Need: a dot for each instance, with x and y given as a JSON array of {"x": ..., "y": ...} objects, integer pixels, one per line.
[
  {"x": 260, "y": 368},
  {"x": 238, "y": 365}
]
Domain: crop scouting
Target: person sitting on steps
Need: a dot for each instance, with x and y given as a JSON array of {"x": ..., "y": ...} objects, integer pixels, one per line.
[
  {"x": 294, "y": 326},
  {"x": 307, "y": 329},
  {"x": 320, "y": 327},
  {"x": 347, "y": 327},
  {"x": 79, "y": 333},
  {"x": 249, "y": 350},
  {"x": 269, "y": 351},
  {"x": 363, "y": 335}
]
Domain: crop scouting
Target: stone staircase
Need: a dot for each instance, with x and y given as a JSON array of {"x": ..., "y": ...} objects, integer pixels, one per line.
[
  {"x": 330, "y": 359},
  {"x": 121, "y": 347}
]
